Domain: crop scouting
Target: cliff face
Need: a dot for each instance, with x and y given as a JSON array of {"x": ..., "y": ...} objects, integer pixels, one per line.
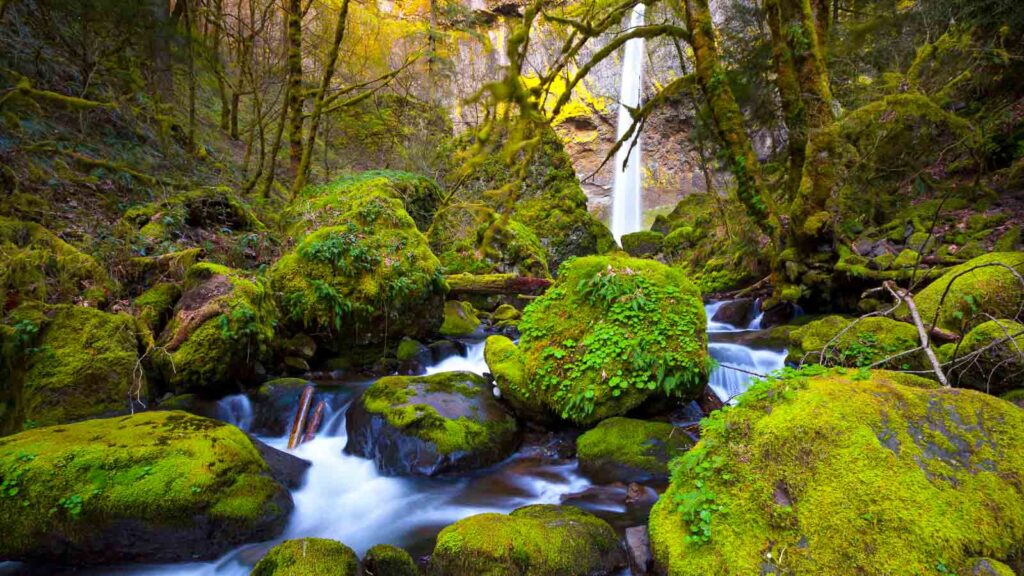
[{"x": 671, "y": 162}]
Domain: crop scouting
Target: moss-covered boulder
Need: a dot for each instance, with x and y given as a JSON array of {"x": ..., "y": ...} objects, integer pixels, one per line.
[
  {"x": 37, "y": 265},
  {"x": 308, "y": 557},
  {"x": 361, "y": 270},
  {"x": 222, "y": 329},
  {"x": 630, "y": 450},
  {"x": 83, "y": 365},
  {"x": 846, "y": 473},
  {"x": 547, "y": 196},
  {"x": 990, "y": 357},
  {"x": 982, "y": 285},
  {"x": 387, "y": 560},
  {"x": 643, "y": 244},
  {"x": 429, "y": 425},
  {"x": 612, "y": 333},
  {"x": 155, "y": 306},
  {"x": 540, "y": 540},
  {"x": 471, "y": 238},
  {"x": 153, "y": 487},
  {"x": 870, "y": 340},
  {"x": 460, "y": 319}
]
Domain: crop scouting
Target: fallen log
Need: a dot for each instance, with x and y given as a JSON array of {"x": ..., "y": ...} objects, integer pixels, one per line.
[
  {"x": 314, "y": 422},
  {"x": 295, "y": 438},
  {"x": 508, "y": 284}
]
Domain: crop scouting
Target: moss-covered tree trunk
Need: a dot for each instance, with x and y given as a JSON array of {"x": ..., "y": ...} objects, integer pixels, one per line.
[
  {"x": 318, "y": 104},
  {"x": 728, "y": 118},
  {"x": 786, "y": 81},
  {"x": 295, "y": 93}
]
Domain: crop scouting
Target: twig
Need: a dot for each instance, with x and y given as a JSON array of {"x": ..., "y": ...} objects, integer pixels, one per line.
[{"x": 905, "y": 296}]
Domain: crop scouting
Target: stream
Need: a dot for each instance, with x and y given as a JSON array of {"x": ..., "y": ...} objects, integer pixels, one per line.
[{"x": 344, "y": 497}]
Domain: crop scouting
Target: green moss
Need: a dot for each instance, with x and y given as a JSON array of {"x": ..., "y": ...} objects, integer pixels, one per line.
[
  {"x": 459, "y": 319},
  {"x": 612, "y": 332},
  {"x": 990, "y": 289},
  {"x": 906, "y": 259},
  {"x": 872, "y": 339},
  {"x": 365, "y": 273},
  {"x": 403, "y": 402},
  {"x": 643, "y": 244},
  {"x": 538, "y": 539},
  {"x": 625, "y": 449},
  {"x": 408, "y": 349},
  {"x": 506, "y": 313},
  {"x": 37, "y": 265},
  {"x": 223, "y": 325},
  {"x": 386, "y": 560},
  {"x": 994, "y": 370},
  {"x": 155, "y": 306},
  {"x": 308, "y": 557},
  {"x": 825, "y": 473},
  {"x": 469, "y": 237},
  {"x": 166, "y": 469}
]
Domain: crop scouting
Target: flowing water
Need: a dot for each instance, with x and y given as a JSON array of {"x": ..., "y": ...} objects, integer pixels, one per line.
[
  {"x": 627, "y": 213},
  {"x": 344, "y": 497},
  {"x": 738, "y": 363}
]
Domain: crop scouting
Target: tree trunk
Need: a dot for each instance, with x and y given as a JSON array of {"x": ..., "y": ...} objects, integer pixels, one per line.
[
  {"x": 793, "y": 110},
  {"x": 295, "y": 92}
]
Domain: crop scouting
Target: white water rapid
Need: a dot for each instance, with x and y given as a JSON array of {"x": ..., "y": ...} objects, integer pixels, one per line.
[
  {"x": 627, "y": 215},
  {"x": 737, "y": 361}
]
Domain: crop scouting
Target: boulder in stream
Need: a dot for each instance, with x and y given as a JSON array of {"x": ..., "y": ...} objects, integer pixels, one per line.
[
  {"x": 159, "y": 486},
  {"x": 540, "y": 540},
  {"x": 308, "y": 557},
  {"x": 846, "y": 472},
  {"x": 387, "y": 560},
  {"x": 630, "y": 450},
  {"x": 429, "y": 425}
]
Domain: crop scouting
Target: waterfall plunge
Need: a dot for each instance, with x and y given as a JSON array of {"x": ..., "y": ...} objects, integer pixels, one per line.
[{"x": 626, "y": 212}]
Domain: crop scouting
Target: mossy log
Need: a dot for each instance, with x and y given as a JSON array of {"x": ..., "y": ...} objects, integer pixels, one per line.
[{"x": 511, "y": 284}]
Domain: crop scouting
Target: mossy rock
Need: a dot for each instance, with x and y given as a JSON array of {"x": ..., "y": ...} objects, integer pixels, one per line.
[
  {"x": 221, "y": 330},
  {"x": 997, "y": 370},
  {"x": 182, "y": 486},
  {"x": 409, "y": 349},
  {"x": 871, "y": 340},
  {"x": 612, "y": 333},
  {"x": 84, "y": 365},
  {"x": 981, "y": 285},
  {"x": 630, "y": 450},
  {"x": 274, "y": 404},
  {"x": 470, "y": 238},
  {"x": 362, "y": 272},
  {"x": 833, "y": 473},
  {"x": 548, "y": 197},
  {"x": 387, "y": 560},
  {"x": 430, "y": 425},
  {"x": 308, "y": 557},
  {"x": 644, "y": 244},
  {"x": 37, "y": 265},
  {"x": 155, "y": 306},
  {"x": 506, "y": 313},
  {"x": 540, "y": 540},
  {"x": 1015, "y": 396},
  {"x": 460, "y": 319}
]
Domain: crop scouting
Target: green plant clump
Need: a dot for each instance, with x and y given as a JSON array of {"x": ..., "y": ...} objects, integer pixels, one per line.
[
  {"x": 837, "y": 472},
  {"x": 610, "y": 334}
]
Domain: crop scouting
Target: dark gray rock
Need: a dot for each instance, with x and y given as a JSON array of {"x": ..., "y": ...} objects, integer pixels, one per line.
[{"x": 737, "y": 312}]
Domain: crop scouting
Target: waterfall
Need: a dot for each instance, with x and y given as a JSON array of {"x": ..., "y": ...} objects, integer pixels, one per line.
[{"x": 626, "y": 211}]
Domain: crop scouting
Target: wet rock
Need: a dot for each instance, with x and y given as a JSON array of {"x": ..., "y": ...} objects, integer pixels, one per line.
[
  {"x": 737, "y": 312},
  {"x": 308, "y": 557},
  {"x": 274, "y": 405},
  {"x": 289, "y": 470},
  {"x": 539, "y": 539},
  {"x": 709, "y": 401},
  {"x": 429, "y": 425},
  {"x": 776, "y": 315},
  {"x": 413, "y": 357},
  {"x": 444, "y": 349},
  {"x": 460, "y": 319},
  {"x": 638, "y": 551},
  {"x": 300, "y": 346},
  {"x": 153, "y": 487},
  {"x": 630, "y": 450},
  {"x": 296, "y": 365}
]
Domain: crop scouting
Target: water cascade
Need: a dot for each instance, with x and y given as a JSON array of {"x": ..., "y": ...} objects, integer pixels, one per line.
[
  {"x": 737, "y": 362},
  {"x": 627, "y": 215}
]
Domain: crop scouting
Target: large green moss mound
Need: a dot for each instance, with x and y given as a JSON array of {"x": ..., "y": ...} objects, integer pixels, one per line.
[
  {"x": 222, "y": 328},
  {"x": 547, "y": 198},
  {"x": 470, "y": 237},
  {"x": 37, "y": 265},
  {"x": 629, "y": 450},
  {"x": 308, "y": 557},
  {"x": 982, "y": 285},
  {"x": 364, "y": 272},
  {"x": 833, "y": 473},
  {"x": 990, "y": 357},
  {"x": 871, "y": 340},
  {"x": 84, "y": 365},
  {"x": 154, "y": 487},
  {"x": 540, "y": 540},
  {"x": 429, "y": 425},
  {"x": 610, "y": 334}
]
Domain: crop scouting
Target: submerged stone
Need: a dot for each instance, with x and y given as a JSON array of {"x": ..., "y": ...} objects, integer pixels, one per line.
[
  {"x": 430, "y": 425},
  {"x": 153, "y": 487}
]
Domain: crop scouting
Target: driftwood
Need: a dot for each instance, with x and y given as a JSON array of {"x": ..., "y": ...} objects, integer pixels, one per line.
[
  {"x": 314, "y": 422},
  {"x": 509, "y": 284},
  {"x": 295, "y": 438},
  {"x": 907, "y": 298}
]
